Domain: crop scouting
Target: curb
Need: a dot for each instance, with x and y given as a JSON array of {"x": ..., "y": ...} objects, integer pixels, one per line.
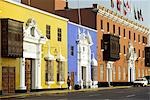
[{"x": 59, "y": 92}]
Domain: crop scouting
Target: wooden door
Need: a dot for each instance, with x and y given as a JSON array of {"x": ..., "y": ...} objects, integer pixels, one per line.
[
  {"x": 8, "y": 80},
  {"x": 11, "y": 80},
  {"x": 84, "y": 75},
  {"x": 28, "y": 74},
  {"x": 5, "y": 80},
  {"x": 72, "y": 80}
]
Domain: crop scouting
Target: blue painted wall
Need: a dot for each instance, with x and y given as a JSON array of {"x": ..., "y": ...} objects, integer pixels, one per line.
[{"x": 72, "y": 37}]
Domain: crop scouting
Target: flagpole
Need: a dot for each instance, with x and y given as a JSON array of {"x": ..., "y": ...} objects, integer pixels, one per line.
[{"x": 79, "y": 13}]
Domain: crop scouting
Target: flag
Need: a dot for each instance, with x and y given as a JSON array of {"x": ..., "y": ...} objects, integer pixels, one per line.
[
  {"x": 141, "y": 15},
  {"x": 124, "y": 8},
  {"x": 128, "y": 6},
  {"x": 135, "y": 16},
  {"x": 138, "y": 14},
  {"x": 118, "y": 5},
  {"x": 112, "y": 4}
]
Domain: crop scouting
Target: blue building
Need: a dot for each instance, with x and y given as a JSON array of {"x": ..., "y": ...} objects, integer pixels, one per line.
[{"x": 82, "y": 55}]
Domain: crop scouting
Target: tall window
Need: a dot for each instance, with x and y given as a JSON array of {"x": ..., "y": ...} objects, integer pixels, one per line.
[
  {"x": 119, "y": 30},
  {"x": 114, "y": 73},
  {"x": 142, "y": 72},
  {"x": 124, "y": 73},
  {"x": 101, "y": 72},
  {"x": 134, "y": 50},
  {"x": 119, "y": 73},
  {"x": 146, "y": 72},
  {"x": 134, "y": 37},
  {"x": 113, "y": 29},
  {"x": 139, "y": 73},
  {"x": 59, "y": 34},
  {"x": 143, "y": 53},
  {"x": 60, "y": 71},
  {"x": 124, "y": 32},
  {"x": 48, "y": 31},
  {"x": 101, "y": 24},
  {"x": 144, "y": 39},
  {"x": 124, "y": 49},
  {"x": 93, "y": 73},
  {"x": 138, "y": 38},
  {"x": 72, "y": 50},
  {"x": 129, "y": 34},
  {"x": 49, "y": 71},
  {"x": 139, "y": 53},
  {"x": 107, "y": 26}
]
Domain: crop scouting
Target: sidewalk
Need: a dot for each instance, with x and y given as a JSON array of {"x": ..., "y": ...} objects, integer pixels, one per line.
[{"x": 23, "y": 95}]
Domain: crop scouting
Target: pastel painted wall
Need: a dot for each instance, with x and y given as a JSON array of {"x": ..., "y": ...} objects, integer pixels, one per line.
[
  {"x": 72, "y": 38},
  {"x": 20, "y": 12}
]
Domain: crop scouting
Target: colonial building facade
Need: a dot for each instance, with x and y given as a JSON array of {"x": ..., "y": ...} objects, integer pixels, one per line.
[
  {"x": 82, "y": 54},
  {"x": 133, "y": 40},
  {"x": 41, "y": 61}
]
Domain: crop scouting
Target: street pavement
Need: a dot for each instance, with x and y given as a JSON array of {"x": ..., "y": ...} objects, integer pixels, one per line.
[{"x": 133, "y": 93}]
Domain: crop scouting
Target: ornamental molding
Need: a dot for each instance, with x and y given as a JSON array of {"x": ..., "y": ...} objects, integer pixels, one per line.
[
  {"x": 34, "y": 36},
  {"x": 122, "y": 20}
]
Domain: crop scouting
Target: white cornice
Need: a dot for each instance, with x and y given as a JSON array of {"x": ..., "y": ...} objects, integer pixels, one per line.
[{"x": 122, "y": 20}]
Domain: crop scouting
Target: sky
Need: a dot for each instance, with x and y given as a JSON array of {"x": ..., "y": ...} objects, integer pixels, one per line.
[{"x": 144, "y": 5}]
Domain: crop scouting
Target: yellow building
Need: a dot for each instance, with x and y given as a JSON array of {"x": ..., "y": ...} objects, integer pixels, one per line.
[{"x": 43, "y": 63}]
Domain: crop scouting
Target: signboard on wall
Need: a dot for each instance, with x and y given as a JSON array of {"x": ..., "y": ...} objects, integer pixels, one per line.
[
  {"x": 11, "y": 38},
  {"x": 111, "y": 47}
]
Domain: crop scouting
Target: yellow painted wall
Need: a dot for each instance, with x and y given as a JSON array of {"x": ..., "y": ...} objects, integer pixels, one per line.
[
  {"x": 10, "y": 62},
  {"x": 14, "y": 11}
]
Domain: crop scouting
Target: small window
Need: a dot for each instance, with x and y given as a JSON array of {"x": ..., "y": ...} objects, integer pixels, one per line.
[
  {"x": 72, "y": 50},
  {"x": 101, "y": 24},
  {"x": 113, "y": 29},
  {"x": 139, "y": 53},
  {"x": 32, "y": 31},
  {"x": 134, "y": 50},
  {"x": 129, "y": 34},
  {"x": 134, "y": 37},
  {"x": 138, "y": 38},
  {"x": 83, "y": 49},
  {"x": 144, "y": 39},
  {"x": 143, "y": 53},
  {"x": 107, "y": 26},
  {"x": 48, "y": 28},
  {"x": 59, "y": 35},
  {"x": 119, "y": 30},
  {"x": 124, "y": 49},
  {"x": 124, "y": 33}
]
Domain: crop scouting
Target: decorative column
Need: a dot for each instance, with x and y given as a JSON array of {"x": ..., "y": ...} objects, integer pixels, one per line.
[
  {"x": 89, "y": 80},
  {"x": 22, "y": 74},
  {"x": 38, "y": 68},
  {"x": 109, "y": 72}
]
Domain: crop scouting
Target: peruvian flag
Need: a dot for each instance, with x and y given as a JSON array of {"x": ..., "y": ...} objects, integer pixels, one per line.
[
  {"x": 135, "y": 15},
  {"x": 118, "y": 5},
  {"x": 128, "y": 6},
  {"x": 124, "y": 8},
  {"x": 112, "y": 3},
  {"x": 141, "y": 15},
  {"x": 138, "y": 15}
]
